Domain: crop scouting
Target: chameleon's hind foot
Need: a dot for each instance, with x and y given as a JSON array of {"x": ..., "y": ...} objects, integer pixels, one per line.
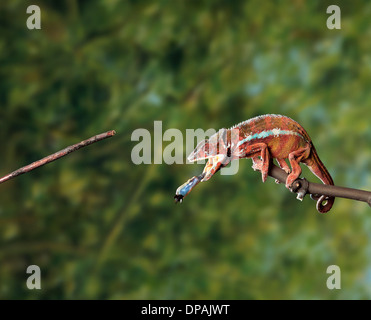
[
  {"x": 290, "y": 180},
  {"x": 283, "y": 165}
]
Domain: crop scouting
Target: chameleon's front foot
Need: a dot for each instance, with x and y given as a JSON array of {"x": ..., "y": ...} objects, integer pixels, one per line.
[
  {"x": 259, "y": 165},
  {"x": 186, "y": 188}
]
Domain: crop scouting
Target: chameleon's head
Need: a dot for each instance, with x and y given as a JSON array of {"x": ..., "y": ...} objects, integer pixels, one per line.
[
  {"x": 216, "y": 145},
  {"x": 222, "y": 143},
  {"x": 216, "y": 150}
]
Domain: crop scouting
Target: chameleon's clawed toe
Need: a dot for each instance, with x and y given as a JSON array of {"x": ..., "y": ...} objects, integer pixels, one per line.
[{"x": 257, "y": 166}]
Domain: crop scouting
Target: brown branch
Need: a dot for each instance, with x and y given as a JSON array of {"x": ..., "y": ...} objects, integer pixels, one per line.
[
  {"x": 303, "y": 187},
  {"x": 57, "y": 155}
]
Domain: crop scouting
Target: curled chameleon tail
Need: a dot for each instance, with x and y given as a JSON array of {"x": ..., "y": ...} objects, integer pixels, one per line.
[{"x": 316, "y": 166}]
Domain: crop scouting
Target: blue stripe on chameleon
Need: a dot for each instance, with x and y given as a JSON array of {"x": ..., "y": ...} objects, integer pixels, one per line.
[{"x": 267, "y": 133}]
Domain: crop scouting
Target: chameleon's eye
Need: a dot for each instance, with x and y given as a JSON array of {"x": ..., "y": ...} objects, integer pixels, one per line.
[{"x": 229, "y": 153}]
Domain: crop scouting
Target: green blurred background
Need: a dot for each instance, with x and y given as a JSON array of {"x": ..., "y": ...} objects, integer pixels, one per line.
[{"x": 101, "y": 227}]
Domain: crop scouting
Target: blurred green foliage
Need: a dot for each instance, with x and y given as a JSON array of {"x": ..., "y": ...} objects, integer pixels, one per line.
[{"x": 101, "y": 227}]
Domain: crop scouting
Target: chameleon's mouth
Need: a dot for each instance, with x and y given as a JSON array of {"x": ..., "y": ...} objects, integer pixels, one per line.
[
  {"x": 201, "y": 152},
  {"x": 196, "y": 157}
]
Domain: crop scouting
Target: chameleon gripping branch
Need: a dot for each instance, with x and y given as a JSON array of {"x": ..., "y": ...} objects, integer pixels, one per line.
[{"x": 57, "y": 155}]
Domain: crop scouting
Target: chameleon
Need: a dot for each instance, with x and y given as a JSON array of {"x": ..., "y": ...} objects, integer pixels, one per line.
[{"x": 262, "y": 138}]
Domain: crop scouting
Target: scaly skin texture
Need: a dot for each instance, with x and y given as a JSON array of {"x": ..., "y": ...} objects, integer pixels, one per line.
[{"x": 262, "y": 138}]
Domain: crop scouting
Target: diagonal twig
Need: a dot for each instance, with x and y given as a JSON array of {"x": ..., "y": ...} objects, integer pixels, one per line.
[
  {"x": 57, "y": 155},
  {"x": 303, "y": 187}
]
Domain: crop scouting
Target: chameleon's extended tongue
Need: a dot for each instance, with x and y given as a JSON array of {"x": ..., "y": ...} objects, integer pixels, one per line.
[
  {"x": 186, "y": 188},
  {"x": 178, "y": 198}
]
